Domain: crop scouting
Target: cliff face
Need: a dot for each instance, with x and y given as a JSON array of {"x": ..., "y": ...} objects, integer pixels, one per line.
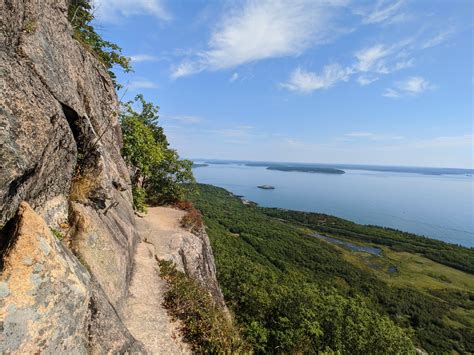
[
  {"x": 61, "y": 138},
  {"x": 60, "y": 144}
]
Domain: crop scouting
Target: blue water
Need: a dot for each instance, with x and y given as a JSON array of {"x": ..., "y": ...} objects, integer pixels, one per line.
[
  {"x": 437, "y": 206},
  {"x": 349, "y": 245}
]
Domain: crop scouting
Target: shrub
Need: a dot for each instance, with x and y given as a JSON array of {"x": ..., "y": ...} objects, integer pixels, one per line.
[
  {"x": 184, "y": 205},
  {"x": 139, "y": 199},
  {"x": 206, "y": 326},
  {"x": 192, "y": 220}
]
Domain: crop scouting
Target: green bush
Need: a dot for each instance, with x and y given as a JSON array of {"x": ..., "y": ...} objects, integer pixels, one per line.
[
  {"x": 206, "y": 326},
  {"x": 139, "y": 199}
]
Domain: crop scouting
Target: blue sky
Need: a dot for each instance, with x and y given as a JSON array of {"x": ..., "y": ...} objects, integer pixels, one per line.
[{"x": 330, "y": 81}]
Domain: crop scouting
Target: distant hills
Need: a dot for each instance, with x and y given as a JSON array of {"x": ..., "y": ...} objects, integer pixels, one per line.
[
  {"x": 307, "y": 169},
  {"x": 339, "y": 168}
]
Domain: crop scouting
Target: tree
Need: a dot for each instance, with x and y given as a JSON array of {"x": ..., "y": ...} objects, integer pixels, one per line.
[{"x": 159, "y": 175}]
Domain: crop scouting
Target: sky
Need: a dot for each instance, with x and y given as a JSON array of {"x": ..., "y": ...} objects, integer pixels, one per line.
[{"x": 321, "y": 81}]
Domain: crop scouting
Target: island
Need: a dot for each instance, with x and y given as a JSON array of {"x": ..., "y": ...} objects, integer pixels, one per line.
[
  {"x": 266, "y": 187},
  {"x": 307, "y": 169},
  {"x": 199, "y": 165}
]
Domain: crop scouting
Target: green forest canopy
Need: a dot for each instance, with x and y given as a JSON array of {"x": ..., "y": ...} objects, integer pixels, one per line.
[{"x": 291, "y": 292}]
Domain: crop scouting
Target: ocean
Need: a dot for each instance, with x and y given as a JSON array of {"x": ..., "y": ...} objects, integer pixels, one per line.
[{"x": 437, "y": 203}]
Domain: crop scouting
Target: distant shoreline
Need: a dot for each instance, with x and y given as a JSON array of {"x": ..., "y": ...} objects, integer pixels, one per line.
[{"x": 306, "y": 167}]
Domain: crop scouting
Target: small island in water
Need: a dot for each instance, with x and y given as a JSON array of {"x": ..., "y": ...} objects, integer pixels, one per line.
[
  {"x": 307, "y": 169},
  {"x": 266, "y": 187}
]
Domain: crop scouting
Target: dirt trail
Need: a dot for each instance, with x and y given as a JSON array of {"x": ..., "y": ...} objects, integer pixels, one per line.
[{"x": 144, "y": 314}]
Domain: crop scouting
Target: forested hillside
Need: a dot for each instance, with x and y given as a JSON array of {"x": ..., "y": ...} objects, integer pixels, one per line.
[{"x": 293, "y": 292}]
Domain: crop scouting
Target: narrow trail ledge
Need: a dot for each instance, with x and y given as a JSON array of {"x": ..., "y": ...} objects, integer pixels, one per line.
[{"x": 162, "y": 237}]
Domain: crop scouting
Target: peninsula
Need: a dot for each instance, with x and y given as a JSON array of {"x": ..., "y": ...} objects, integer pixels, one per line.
[{"x": 307, "y": 169}]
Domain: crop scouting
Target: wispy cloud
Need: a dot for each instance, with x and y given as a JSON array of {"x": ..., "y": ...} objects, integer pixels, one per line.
[
  {"x": 371, "y": 59},
  {"x": 438, "y": 39},
  {"x": 369, "y": 63},
  {"x": 365, "y": 80},
  {"x": 373, "y": 136},
  {"x": 263, "y": 29},
  {"x": 383, "y": 11},
  {"x": 383, "y": 59},
  {"x": 114, "y": 10},
  {"x": 141, "y": 84},
  {"x": 143, "y": 58},
  {"x": 412, "y": 86},
  {"x": 307, "y": 82}
]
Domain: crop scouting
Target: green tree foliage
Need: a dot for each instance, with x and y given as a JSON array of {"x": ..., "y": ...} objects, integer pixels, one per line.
[
  {"x": 172, "y": 179},
  {"x": 448, "y": 254},
  {"x": 80, "y": 14},
  {"x": 159, "y": 175},
  {"x": 293, "y": 293},
  {"x": 140, "y": 147}
]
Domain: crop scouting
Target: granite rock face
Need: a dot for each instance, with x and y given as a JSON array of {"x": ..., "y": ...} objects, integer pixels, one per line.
[
  {"x": 60, "y": 143},
  {"x": 197, "y": 261},
  {"x": 48, "y": 300},
  {"x": 60, "y": 138}
]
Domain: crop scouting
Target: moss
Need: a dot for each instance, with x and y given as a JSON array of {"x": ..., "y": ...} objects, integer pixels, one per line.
[
  {"x": 30, "y": 26},
  {"x": 57, "y": 233}
]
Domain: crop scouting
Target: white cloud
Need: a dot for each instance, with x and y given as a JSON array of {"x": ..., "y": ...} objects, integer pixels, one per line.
[
  {"x": 384, "y": 10},
  {"x": 412, "y": 86},
  {"x": 264, "y": 29},
  {"x": 114, "y": 10},
  {"x": 370, "y": 62},
  {"x": 306, "y": 82},
  {"x": 370, "y": 59},
  {"x": 364, "y": 80},
  {"x": 391, "y": 93},
  {"x": 143, "y": 58},
  {"x": 234, "y": 77},
  {"x": 438, "y": 39},
  {"x": 186, "y": 68},
  {"x": 141, "y": 84}
]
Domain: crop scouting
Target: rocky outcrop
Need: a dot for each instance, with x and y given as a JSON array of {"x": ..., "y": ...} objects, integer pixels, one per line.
[
  {"x": 197, "y": 261},
  {"x": 191, "y": 253},
  {"x": 48, "y": 300}
]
